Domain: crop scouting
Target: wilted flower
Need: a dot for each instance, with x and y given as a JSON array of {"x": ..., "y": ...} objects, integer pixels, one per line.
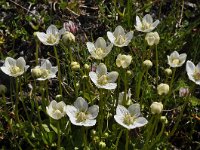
[
  {"x": 14, "y": 67},
  {"x": 99, "y": 50},
  {"x": 56, "y": 110},
  {"x": 80, "y": 114},
  {"x": 163, "y": 88},
  {"x": 146, "y": 24},
  {"x": 102, "y": 79},
  {"x": 70, "y": 26},
  {"x": 193, "y": 72},
  {"x": 119, "y": 38},
  {"x": 152, "y": 38},
  {"x": 184, "y": 91},
  {"x": 128, "y": 100},
  {"x": 147, "y": 63},
  {"x": 156, "y": 107},
  {"x": 176, "y": 60},
  {"x": 130, "y": 118},
  {"x": 52, "y": 35},
  {"x": 45, "y": 71},
  {"x": 123, "y": 60}
]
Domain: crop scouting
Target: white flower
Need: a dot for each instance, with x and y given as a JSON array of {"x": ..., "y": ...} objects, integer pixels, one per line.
[
  {"x": 119, "y": 38},
  {"x": 156, "y": 107},
  {"x": 45, "y": 71},
  {"x": 130, "y": 118},
  {"x": 123, "y": 60},
  {"x": 147, "y": 63},
  {"x": 146, "y": 24},
  {"x": 152, "y": 38},
  {"x": 176, "y": 60},
  {"x": 99, "y": 50},
  {"x": 128, "y": 100},
  {"x": 193, "y": 72},
  {"x": 52, "y": 35},
  {"x": 102, "y": 79},
  {"x": 14, "y": 67},
  {"x": 56, "y": 110},
  {"x": 80, "y": 114},
  {"x": 163, "y": 89}
]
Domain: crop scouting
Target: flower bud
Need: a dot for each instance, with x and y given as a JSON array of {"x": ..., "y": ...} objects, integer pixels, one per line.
[
  {"x": 147, "y": 63},
  {"x": 152, "y": 38},
  {"x": 183, "y": 92},
  {"x": 129, "y": 72},
  {"x": 93, "y": 132},
  {"x": 68, "y": 37},
  {"x": 168, "y": 71},
  {"x": 102, "y": 144},
  {"x": 75, "y": 65},
  {"x": 106, "y": 134},
  {"x": 70, "y": 26},
  {"x": 163, "y": 89},
  {"x": 164, "y": 119},
  {"x": 86, "y": 66},
  {"x": 3, "y": 89},
  {"x": 58, "y": 97},
  {"x": 156, "y": 107}
]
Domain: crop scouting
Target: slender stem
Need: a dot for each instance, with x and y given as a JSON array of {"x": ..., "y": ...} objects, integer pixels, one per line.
[
  {"x": 139, "y": 84},
  {"x": 17, "y": 101},
  {"x": 125, "y": 89},
  {"x": 118, "y": 138},
  {"x": 59, "y": 71},
  {"x": 127, "y": 139},
  {"x": 59, "y": 135},
  {"x": 156, "y": 66},
  {"x": 36, "y": 52},
  {"x": 84, "y": 137},
  {"x": 101, "y": 116}
]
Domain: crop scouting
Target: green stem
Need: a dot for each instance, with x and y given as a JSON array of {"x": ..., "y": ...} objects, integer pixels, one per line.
[
  {"x": 36, "y": 52},
  {"x": 84, "y": 137},
  {"x": 139, "y": 85},
  {"x": 59, "y": 135},
  {"x": 59, "y": 71},
  {"x": 125, "y": 89},
  {"x": 156, "y": 66},
  {"x": 127, "y": 139},
  {"x": 17, "y": 101},
  {"x": 118, "y": 138},
  {"x": 101, "y": 115}
]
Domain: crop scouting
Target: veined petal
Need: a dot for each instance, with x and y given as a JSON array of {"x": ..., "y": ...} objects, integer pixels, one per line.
[
  {"x": 112, "y": 76},
  {"x": 93, "y": 112},
  {"x": 129, "y": 36},
  {"x": 42, "y": 37},
  {"x": 134, "y": 109},
  {"x": 111, "y": 37},
  {"x": 140, "y": 121},
  {"x": 20, "y": 62},
  {"x": 52, "y": 29},
  {"x": 182, "y": 57},
  {"x": 93, "y": 77},
  {"x": 54, "y": 70},
  {"x": 121, "y": 111},
  {"x": 119, "y": 31},
  {"x": 190, "y": 67},
  {"x": 6, "y": 70},
  {"x": 90, "y": 46},
  {"x": 148, "y": 19},
  {"x": 138, "y": 22},
  {"x": 70, "y": 111},
  {"x": 10, "y": 62},
  {"x": 154, "y": 25},
  {"x": 100, "y": 43},
  {"x": 81, "y": 104},
  {"x": 89, "y": 123},
  {"x": 101, "y": 69},
  {"x": 109, "y": 86},
  {"x": 120, "y": 121},
  {"x": 46, "y": 64}
]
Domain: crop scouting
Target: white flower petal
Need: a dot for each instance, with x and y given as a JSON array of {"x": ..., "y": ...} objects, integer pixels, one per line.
[
  {"x": 90, "y": 46},
  {"x": 89, "y": 123},
  {"x": 20, "y": 62},
  {"x": 101, "y": 69},
  {"x": 93, "y": 77},
  {"x": 109, "y": 86},
  {"x": 6, "y": 70},
  {"x": 42, "y": 37},
  {"x": 112, "y": 76},
  {"x": 100, "y": 43},
  {"x": 129, "y": 36},
  {"x": 10, "y": 62},
  {"x": 54, "y": 70},
  {"x": 93, "y": 112},
  {"x": 134, "y": 109},
  {"x": 120, "y": 120},
  {"x": 119, "y": 31},
  {"x": 148, "y": 19},
  {"x": 52, "y": 29},
  {"x": 138, "y": 22},
  {"x": 190, "y": 67},
  {"x": 140, "y": 121},
  {"x": 154, "y": 25},
  {"x": 111, "y": 37},
  {"x": 121, "y": 110},
  {"x": 71, "y": 111},
  {"x": 81, "y": 104}
]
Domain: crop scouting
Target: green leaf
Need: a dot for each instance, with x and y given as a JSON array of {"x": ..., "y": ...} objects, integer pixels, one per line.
[
  {"x": 46, "y": 128},
  {"x": 194, "y": 101},
  {"x": 54, "y": 128}
]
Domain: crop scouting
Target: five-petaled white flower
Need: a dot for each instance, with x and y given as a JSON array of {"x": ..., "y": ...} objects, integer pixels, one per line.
[
  {"x": 99, "y": 50},
  {"x": 176, "y": 60},
  {"x": 146, "y": 24},
  {"x": 130, "y": 118},
  {"x": 56, "y": 110},
  {"x": 45, "y": 71},
  {"x": 119, "y": 38},
  {"x": 80, "y": 114},
  {"x": 52, "y": 35},
  {"x": 14, "y": 67},
  {"x": 123, "y": 60},
  {"x": 102, "y": 79},
  {"x": 193, "y": 72}
]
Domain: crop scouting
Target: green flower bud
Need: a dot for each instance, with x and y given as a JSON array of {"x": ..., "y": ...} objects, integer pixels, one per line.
[
  {"x": 3, "y": 89},
  {"x": 102, "y": 144},
  {"x": 68, "y": 37}
]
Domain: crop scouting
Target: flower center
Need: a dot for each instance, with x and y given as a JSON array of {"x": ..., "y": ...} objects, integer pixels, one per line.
[
  {"x": 37, "y": 72},
  {"x": 99, "y": 51},
  {"x": 120, "y": 40},
  {"x": 15, "y": 70},
  {"x": 145, "y": 25},
  {"x": 128, "y": 119},
  {"x": 102, "y": 80},
  {"x": 51, "y": 39},
  {"x": 176, "y": 61},
  {"x": 196, "y": 75},
  {"x": 81, "y": 117},
  {"x": 44, "y": 73}
]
